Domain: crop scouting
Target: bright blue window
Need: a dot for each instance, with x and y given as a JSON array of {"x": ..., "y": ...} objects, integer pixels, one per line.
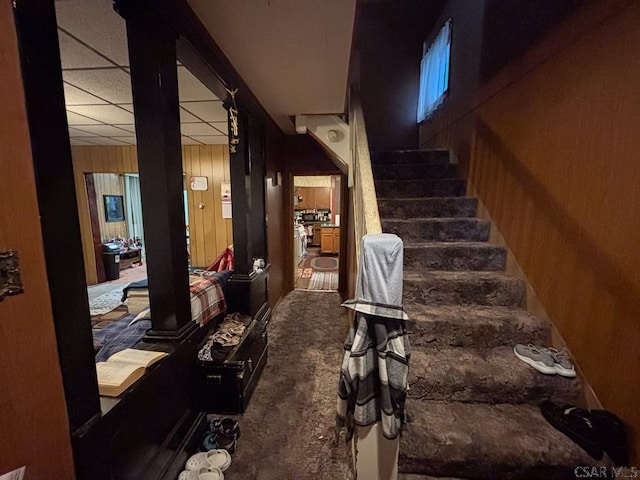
[{"x": 434, "y": 73}]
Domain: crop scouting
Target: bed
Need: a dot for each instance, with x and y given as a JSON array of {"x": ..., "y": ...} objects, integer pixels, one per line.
[{"x": 208, "y": 292}]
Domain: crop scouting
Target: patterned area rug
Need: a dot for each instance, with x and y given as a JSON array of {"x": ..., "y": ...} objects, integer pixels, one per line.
[
  {"x": 106, "y": 302},
  {"x": 324, "y": 263},
  {"x": 323, "y": 281}
]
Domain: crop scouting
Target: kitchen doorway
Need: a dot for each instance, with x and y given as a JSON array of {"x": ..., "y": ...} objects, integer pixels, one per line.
[{"x": 316, "y": 210}]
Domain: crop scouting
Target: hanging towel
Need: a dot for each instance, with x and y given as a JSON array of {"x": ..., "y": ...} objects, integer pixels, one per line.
[{"x": 375, "y": 366}]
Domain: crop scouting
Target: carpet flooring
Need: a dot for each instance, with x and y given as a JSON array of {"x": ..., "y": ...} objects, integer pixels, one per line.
[{"x": 288, "y": 431}]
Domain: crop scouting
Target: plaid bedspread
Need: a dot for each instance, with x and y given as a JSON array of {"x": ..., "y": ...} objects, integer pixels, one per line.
[{"x": 207, "y": 300}]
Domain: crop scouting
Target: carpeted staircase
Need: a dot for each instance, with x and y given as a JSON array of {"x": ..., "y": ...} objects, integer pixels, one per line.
[{"x": 473, "y": 406}]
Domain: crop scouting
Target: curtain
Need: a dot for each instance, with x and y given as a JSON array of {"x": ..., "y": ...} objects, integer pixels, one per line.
[
  {"x": 434, "y": 73},
  {"x": 134, "y": 206}
]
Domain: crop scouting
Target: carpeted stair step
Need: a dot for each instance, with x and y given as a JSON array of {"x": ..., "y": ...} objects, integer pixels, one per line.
[
  {"x": 427, "y": 207},
  {"x": 455, "y": 256},
  {"x": 474, "y": 326},
  {"x": 493, "y": 375},
  {"x": 438, "y": 229},
  {"x": 412, "y": 476},
  {"x": 462, "y": 288},
  {"x": 448, "y": 187},
  {"x": 482, "y": 441},
  {"x": 415, "y": 171},
  {"x": 404, "y": 157}
]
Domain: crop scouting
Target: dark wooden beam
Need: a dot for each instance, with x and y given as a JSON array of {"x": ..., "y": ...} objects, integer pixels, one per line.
[
  {"x": 44, "y": 96},
  {"x": 154, "y": 81}
]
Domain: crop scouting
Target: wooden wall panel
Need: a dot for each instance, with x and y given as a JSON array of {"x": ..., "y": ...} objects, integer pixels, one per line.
[
  {"x": 209, "y": 232},
  {"x": 34, "y": 430},
  {"x": 554, "y": 157}
]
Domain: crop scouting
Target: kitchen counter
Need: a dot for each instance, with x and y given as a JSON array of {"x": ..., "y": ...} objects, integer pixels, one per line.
[{"x": 329, "y": 225}]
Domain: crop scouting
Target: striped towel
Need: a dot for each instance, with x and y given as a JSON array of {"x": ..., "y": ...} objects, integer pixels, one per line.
[{"x": 207, "y": 300}]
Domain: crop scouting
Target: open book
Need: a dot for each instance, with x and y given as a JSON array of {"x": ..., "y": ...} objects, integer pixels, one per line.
[{"x": 123, "y": 369}]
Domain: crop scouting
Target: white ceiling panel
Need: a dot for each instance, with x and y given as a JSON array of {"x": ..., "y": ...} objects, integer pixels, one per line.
[
  {"x": 128, "y": 128},
  {"x": 111, "y": 84},
  {"x": 103, "y": 141},
  {"x": 211, "y": 139},
  {"x": 190, "y": 88},
  {"x": 77, "y": 141},
  {"x": 127, "y": 106},
  {"x": 223, "y": 127},
  {"x": 78, "y": 132},
  {"x": 186, "y": 117},
  {"x": 75, "y": 119},
  {"x": 104, "y": 130},
  {"x": 189, "y": 141},
  {"x": 129, "y": 140},
  {"x": 293, "y": 54},
  {"x": 97, "y": 24},
  {"x": 75, "y": 55},
  {"x": 75, "y": 96},
  {"x": 191, "y": 129},
  {"x": 104, "y": 113},
  {"x": 207, "y": 111}
]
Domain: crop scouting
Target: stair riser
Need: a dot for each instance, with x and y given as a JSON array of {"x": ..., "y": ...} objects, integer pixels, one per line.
[
  {"x": 428, "y": 207},
  {"x": 420, "y": 188},
  {"x": 505, "y": 291},
  {"x": 414, "y": 172},
  {"x": 434, "y": 231},
  {"x": 476, "y": 333},
  {"x": 450, "y": 375},
  {"x": 410, "y": 157},
  {"x": 487, "y": 259}
]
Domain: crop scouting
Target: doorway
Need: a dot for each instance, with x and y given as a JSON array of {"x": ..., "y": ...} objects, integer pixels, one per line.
[{"x": 316, "y": 210}]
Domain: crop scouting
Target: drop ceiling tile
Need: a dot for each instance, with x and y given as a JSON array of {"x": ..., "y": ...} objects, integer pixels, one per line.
[
  {"x": 223, "y": 127},
  {"x": 207, "y": 111},
  {"x": 189, "y": 141},
  {"x": 104, "y": 113},
  {"x": 111, "y": 84},
  {"x": 128, "y": 128},
  {"x": 75, "y": 96},
  {"x": 103, "y": 141},
  {"x": 79, "y": 132},
  {"x": 197, "y": 129},
  {"x": 186, "y": 117},
  {"x": 75, "y": 119},
  {"x": 104, "y": 130},
  {"x": 129, "y": 140},
  {"x": 75, "y": 55},
  {"x": 211, "y": 139},
  {"x": 77, "y": 141},
  {"x": 190, "y": 88},
  {"x": 97, "y": 24},
  {"x": 127, "y": 106}
]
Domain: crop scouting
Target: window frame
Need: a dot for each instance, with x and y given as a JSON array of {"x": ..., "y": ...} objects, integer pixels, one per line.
[{"x": 426, "y": 112}]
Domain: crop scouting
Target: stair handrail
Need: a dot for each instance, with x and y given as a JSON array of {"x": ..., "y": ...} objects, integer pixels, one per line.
[{"x": 365, "y": 203}]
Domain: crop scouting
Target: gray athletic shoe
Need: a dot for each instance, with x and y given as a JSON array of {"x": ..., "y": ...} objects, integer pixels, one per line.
[
  {"x": 562, "y": 362},
  {"x": 538, "y": 357}
]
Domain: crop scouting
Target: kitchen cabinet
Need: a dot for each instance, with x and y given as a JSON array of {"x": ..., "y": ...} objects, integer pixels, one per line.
[
  {"x": 318, "y": 198},
  {"x": 330, "y": 240}
]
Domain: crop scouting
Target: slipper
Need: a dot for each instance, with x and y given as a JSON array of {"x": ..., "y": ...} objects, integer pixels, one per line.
[
  {"x": 228, "y": 426},
  {"x": 217, "y": 458},
  {"x": 613, "y": 435},
  {"x": 213, "y": 441},
  {"x": 576, "y": 423},
  {"x": 210, "y": 473}
]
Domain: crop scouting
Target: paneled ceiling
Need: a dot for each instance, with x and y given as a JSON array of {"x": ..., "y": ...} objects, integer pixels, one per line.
[
  {"x": 97, "y": 84},
  {"x": 293, "y": 54}
]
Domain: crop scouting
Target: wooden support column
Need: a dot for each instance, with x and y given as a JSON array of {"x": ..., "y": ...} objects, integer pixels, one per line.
[
  {"x": 44, "y": 97},
  {"x": 247, "y": 290},
  {"x": 154, "y": 81}
]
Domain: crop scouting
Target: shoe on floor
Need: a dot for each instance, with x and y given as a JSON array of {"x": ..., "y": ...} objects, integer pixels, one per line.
[
  {"x": 613, "y": 434},
  {"x": 576, "y": 423},
  {"x": 538, "y": 357},
  {"x": 217, "y": 458},
  {"x": 562, "y": 362},
  {"x": 210, "y": 473}
]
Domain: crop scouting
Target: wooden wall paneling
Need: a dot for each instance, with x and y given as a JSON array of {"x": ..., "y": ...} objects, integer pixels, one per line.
[
  {"x": 34, "y": 426},
  {"x": 205, "y": 155},
  {"x": 227, "y": 178},
  {"x": 217, "y": 177}
]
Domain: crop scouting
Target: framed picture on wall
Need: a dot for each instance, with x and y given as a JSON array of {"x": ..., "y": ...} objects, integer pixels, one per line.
[{"x": 113, "y": 208}]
